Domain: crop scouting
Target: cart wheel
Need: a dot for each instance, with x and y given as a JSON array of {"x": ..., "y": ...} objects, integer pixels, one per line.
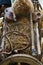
[{"x": 20, "y": 59}]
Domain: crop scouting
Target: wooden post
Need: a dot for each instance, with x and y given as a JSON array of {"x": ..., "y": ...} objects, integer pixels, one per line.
[
  {"x": 4, "y": 31},
  {"x": 32, "y": 36},
  {"x": 38, "y": 40}
]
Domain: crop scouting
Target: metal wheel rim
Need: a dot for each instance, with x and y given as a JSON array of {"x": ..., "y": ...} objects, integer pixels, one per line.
[{"x": 21, "y": 58}]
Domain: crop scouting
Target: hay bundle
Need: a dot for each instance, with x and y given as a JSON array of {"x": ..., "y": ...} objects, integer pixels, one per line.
[
  {"x": 22, "y": 6},
  {"x": 23, "y": 26}
]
